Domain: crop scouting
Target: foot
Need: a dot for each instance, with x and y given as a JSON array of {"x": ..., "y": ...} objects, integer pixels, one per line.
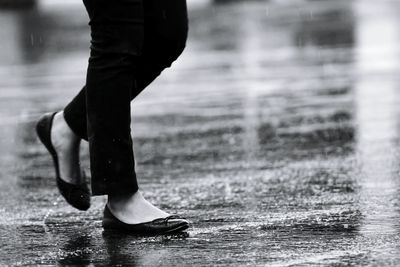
[
  {"x": 66, "y": 143},
  {"x": 134, "y": 209}
]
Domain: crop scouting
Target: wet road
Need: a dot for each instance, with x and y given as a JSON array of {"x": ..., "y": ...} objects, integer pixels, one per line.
[{"x": 276, "y": 133}]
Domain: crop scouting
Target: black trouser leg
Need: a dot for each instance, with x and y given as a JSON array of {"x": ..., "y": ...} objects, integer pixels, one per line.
[
  {"x": 117, "y": 73},
  {"x": 117, "y": 33}
]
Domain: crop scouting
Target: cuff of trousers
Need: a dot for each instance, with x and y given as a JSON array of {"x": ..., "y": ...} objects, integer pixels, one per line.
[
  {"x": 75, "y": 122},
  {"x": 122, "y": 186}
]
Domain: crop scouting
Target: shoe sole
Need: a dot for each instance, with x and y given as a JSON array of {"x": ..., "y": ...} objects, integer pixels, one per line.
[{"x": 176, "y": 230}]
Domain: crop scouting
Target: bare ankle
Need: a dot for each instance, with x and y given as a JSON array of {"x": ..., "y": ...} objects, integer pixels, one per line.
[
  {"x": 63, "y": 132},
  {"x": 122, "y": 197}
]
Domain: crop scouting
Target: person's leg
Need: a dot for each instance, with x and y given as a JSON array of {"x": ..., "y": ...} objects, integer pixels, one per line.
[
  {"x": 117, "y": 29},
  {"x": 165, "y": 37},
  {"x": 166, "y": 27},
  {"x": 101, "y": 113},
  {"x": 165, "y": 34},
  {"x": 111, "y": 58}
]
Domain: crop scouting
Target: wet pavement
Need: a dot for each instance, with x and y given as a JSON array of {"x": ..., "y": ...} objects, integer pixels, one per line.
[{"x": 276, "y": 133}]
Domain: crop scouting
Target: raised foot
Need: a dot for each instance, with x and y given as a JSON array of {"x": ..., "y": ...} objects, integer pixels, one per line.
[
  {"x": 78, "y": 195},
  {"x": 66, "y": 144}
]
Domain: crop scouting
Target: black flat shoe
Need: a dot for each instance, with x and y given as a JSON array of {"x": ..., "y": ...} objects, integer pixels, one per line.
[
  {"x": 163, "y": 226},
  {"x": 77, "y": 196}
]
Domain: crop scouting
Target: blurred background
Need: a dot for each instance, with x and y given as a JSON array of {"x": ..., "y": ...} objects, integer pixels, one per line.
[{"x": 276, "y": 132}]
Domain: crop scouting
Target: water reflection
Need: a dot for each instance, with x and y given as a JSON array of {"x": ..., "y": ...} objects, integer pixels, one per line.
[
  {"x": 87, "y": 247},
  {"x": 313, "y": 108},
  {"x": 331, "y": 28},
  {"x": 123, "y": 249},
  {"x": 377, "y": 120},
  {"x": 76, "y": 251},
  {"x": 120, "y": 249}
]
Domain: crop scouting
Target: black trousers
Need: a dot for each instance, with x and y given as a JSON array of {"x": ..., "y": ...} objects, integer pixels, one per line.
[{"x": 133, "y": 41}]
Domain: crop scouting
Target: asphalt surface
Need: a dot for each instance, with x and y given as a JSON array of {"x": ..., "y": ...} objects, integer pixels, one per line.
[{"x": 276, "y": 134}]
